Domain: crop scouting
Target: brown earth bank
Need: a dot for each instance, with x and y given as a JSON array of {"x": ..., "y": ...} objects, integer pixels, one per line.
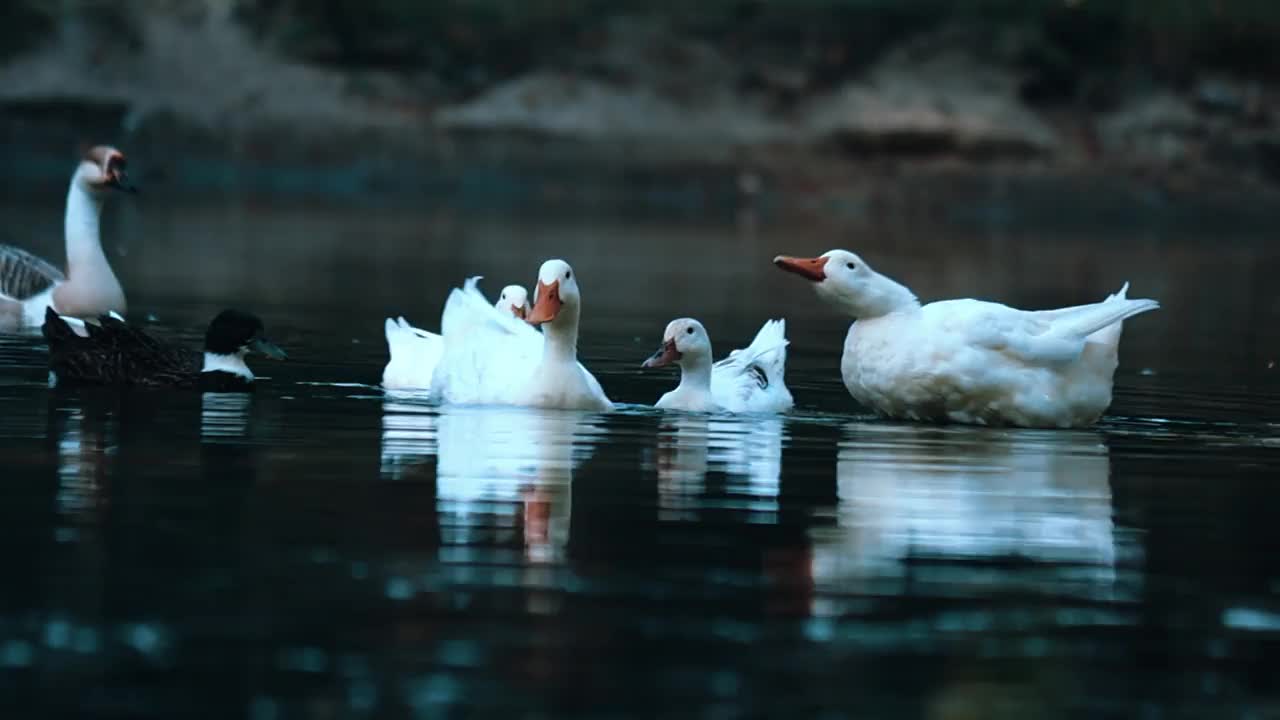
[{"x": 636, "y": 111}]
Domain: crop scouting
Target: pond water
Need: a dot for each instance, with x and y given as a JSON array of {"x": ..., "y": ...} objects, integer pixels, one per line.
[{"x": 322, "y": 549}]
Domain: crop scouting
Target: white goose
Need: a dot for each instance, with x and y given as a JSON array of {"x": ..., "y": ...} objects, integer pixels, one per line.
[
  {"x": 749, "y": 380},
  {"x": 492, "y": 358},
  {"x": 89, "y": 288},
  {"x": 967, "y": 360},
  {"x": 414, "y": 353}
]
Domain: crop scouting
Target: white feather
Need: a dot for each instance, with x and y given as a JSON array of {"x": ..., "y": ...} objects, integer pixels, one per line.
[
  {"x": 227, "y": 362},
  {"x": 734, "y": 380},
  {"x": 414, "y": 356}
]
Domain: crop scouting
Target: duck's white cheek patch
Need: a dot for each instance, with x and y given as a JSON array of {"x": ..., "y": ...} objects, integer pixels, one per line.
[{"x": 53, "y": 379}]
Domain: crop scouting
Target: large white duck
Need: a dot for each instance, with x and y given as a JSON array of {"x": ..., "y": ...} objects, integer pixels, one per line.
[
  {"x": 492, "y": 358},
  {"x": 89, "y": 288},
  {"x": 747, "y": 381},
  {"x": 414, "y": 353},
  {"x": 969, "y": 361}
]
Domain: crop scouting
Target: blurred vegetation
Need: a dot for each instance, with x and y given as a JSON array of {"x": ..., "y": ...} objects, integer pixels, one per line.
[
  {"x": 24, "y": 24},
  {"x": 469, "y": 43},
  {"x": 1169, "y": 35}
]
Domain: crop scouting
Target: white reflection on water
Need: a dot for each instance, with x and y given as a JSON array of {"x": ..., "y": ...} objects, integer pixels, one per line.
[
  {"x": 499, "y": 471},
  {"x": 915, "y": 492},
  {"x": 224, "y": 416},
  {"x": 408, "y": 435},
  {"x": 747, "y": 449},
  {"x": 83, "y": 447}
]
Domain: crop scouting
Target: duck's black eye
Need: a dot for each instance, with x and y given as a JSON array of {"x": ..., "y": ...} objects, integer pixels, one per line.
[
  {"x": 690, "y": 331},
  {"x": 568, "y": 274},
  {"x": 850, "y": 265}
]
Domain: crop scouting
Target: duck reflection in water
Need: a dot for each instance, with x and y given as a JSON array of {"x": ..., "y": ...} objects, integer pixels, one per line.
[
  {"x": 747, "y": 449},
  {"x": 911, "y": 493},
  {"x": 224, "y": 415},
  {"x": 503, "y": 475},
  {"x": 85, "y": 436}
]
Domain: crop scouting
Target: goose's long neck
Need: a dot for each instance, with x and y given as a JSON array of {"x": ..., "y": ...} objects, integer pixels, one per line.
[
  {"x": 561, "y": 337},
  {"x": 695, "y": 374},
  {"x": 84, "y": 244}
]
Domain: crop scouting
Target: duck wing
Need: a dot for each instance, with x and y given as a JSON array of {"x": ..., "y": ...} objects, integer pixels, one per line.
[
  {"x": 751, "y": 379},
  {"x": 487, "y": 352},
  {"x": 116, "y": 353},
  {"x": 1042, "y": 338},
  {"x": 414, "y": 354},
  {"x": 23, "y": 275}
]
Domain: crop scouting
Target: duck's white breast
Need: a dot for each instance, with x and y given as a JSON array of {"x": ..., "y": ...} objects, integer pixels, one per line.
[{"x": 566, "y": 386}]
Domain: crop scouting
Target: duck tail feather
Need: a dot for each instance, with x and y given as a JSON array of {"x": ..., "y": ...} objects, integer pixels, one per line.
[
  {"x": 1088, "y": 319},
  {"x": 768, "y": 349}
]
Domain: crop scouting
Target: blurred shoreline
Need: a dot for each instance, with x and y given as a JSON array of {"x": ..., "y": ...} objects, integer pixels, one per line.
[{"x": 641, "y": 112}]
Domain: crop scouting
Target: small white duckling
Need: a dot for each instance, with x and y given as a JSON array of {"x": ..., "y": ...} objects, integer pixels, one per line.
[
  {"x": 749, "y": 380},
  {"x": 515, "y": 299}
]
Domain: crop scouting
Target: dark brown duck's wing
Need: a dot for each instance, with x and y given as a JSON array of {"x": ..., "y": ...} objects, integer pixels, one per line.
[
  {"x": 23, "y": 275},
  {"x": 116, "y": 353}
]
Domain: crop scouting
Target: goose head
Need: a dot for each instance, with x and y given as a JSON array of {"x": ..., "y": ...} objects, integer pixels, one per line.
[
  {"x": 848, "y": 282},
  {"x": 103, "y": 168},
  {"x": 683, "y": 338},
  {"x": 556, "y": 299},
  {"x": 238, "y": 333},
  {"x": 514, "y": 299}
]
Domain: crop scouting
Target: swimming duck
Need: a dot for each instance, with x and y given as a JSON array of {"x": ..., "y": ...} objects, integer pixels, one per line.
[
  {"x": 89, "y": 288},
  {"x": 414, "y": 353},
  {"x": 116, "y": 353},
  {"x": 749, "y": 380},
  {"x": 492, "y": 358},
  {"x": 969, "y": 361}
]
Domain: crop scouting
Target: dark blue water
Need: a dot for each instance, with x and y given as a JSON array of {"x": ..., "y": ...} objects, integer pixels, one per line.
[{"x": 325, "y": 550}]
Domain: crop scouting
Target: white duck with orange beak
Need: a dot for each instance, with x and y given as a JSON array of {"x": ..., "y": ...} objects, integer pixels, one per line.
[
  {"x": 492, "y": 358},
  {"x": 748, "y": 381},
  {"x": 415, "y": 353},
  {"x": 969, "y": 361}
]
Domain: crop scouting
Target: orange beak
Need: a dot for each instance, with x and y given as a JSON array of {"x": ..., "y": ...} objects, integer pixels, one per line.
[
  {"x": 666, "y": 355},
  {"x": 520, "y": 311},
  {"x": 808, "y": 268},
  {"x": 546, "y": 303}
]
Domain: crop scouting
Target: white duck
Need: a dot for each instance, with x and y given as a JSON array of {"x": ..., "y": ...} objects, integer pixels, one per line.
[
  {"x": 492, "y": 358},
  {"x": 89, "y": 288},
  {"x": 414, "y": 353},
  {"x": 749, "y": 380},
  {"x": 969, "y": 361}
]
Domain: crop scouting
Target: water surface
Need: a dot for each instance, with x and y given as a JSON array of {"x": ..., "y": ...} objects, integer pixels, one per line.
[{"x": 324, "y": 549}]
